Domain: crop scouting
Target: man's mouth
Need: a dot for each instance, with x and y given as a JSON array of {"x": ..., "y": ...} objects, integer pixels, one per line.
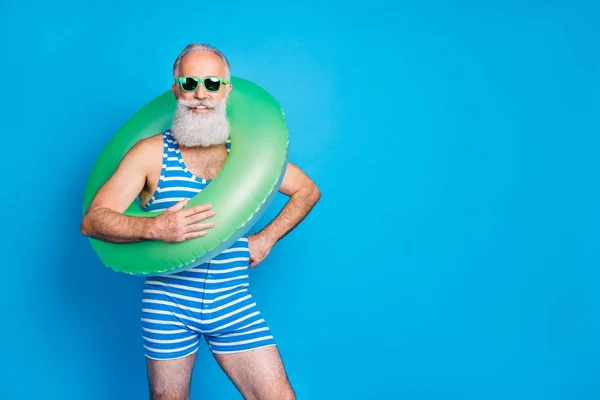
[{"x": 201, "y": 109}]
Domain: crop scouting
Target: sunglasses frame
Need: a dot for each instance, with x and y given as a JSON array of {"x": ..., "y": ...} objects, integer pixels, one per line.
[{"x": 199, "y": 81}]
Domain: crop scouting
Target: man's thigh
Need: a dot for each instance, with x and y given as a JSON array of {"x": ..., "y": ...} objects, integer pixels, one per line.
[
  {"x": 170, "y": 379},
  {"x": 243, "y": 345},
  {"x": 258, "y": 374},
  {"x": 170, "y": 348}
]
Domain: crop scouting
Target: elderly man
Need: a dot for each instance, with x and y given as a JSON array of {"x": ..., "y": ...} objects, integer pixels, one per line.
[{"x": 212, "y": 300}]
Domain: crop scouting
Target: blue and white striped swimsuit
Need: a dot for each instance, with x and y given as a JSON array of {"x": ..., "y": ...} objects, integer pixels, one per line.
[{"x": 212, "y": 299}]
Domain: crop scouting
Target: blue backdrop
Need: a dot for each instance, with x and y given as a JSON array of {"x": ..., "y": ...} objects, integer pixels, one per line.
[{"x": 454, "y": 254}]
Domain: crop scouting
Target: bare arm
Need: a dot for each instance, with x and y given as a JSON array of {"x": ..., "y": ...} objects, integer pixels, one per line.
[
  {"x": 304, "y": 194},
  {"x": 104, "y": 218}
]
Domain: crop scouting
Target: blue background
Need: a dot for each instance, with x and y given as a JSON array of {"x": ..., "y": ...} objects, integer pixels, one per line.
[{"x": 454, "y": 254}]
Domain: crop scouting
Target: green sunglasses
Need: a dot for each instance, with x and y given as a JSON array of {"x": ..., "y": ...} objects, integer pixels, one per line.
[{"x": 211, "y": 83}]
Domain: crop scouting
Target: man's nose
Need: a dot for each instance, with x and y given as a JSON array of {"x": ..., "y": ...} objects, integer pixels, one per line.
[{"x": 201, "y": 93}]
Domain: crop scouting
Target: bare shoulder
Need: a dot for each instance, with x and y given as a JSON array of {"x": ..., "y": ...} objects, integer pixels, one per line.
[
  {"x": 149, "y": 145},
  {"x": 129, "y": 179},
  {"x": 146, "y": 152}
]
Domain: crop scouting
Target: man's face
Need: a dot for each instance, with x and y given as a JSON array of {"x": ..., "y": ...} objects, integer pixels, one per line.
[
  {"x": 200, "y": 118},
  {"x": 201, "y": 64}
]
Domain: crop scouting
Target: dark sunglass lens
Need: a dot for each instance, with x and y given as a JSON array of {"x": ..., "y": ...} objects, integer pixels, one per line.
[
  {"x": 189, "y": 84},
  {"x": 212, "y": 84}
]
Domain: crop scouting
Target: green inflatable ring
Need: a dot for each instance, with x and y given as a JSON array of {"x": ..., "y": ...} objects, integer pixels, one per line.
[{"x": 239, "y": 194}]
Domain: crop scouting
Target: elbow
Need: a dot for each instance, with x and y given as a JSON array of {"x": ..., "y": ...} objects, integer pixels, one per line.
[
  {"x": 87, "y": 224},
  {"x": 85, "y": 228},
  {"x": 308, "y": 194},
  {"x": 314, "y": 193}
]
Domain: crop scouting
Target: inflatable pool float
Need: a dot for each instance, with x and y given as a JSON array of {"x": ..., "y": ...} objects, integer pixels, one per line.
[{"x": 239, "y": 194}]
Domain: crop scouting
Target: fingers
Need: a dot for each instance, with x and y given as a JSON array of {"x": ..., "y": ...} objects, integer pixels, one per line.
[
  {"x": 193, "y": 235},
  {"x": 199, "y": 217},
  {"x": 199, "y": 227},
  {"x": 202, "y": 213},
  {"x": 190, "y": 211},
  {"x": 196, "y": 209},
  {"x": 188, "y": 236},
  {"x": 179, "y": 205},
  {"x": 186, "y": 222}
]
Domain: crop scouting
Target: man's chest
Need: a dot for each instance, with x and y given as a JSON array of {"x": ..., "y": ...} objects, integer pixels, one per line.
[{"x": 204, "y": 164}]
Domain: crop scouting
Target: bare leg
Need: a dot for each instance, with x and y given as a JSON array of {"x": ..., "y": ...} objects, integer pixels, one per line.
[
  {"x": 258, "y": 374},
  {"x": 170, "y": 379}
]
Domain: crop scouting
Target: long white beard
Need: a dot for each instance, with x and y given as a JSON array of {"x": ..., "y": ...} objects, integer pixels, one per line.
[{"x": 191, "y": 129}]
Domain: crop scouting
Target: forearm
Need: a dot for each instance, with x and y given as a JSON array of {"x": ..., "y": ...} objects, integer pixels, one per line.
[
  {"x": 111, "y": 226},
  {"x": 296, "y": 209}
]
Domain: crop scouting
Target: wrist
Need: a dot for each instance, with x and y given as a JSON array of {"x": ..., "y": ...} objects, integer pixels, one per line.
[
  {"x": 149, "y": 230},
  {"x": 266, "y": 238}
]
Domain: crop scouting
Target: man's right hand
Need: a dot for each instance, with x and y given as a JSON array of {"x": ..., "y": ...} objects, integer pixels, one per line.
[
  {"x": 105, "y": 219},
  {"x": 177, "y": 225}
]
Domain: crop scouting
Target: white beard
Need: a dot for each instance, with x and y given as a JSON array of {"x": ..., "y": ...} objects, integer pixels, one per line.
[{"x": 191, "y": 129}]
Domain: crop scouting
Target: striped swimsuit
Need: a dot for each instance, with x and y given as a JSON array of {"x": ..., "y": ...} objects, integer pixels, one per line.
[{"x": 212, "y": 299}]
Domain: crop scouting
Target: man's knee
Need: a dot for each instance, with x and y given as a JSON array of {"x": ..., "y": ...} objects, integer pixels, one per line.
[
  {"x": 164, "y": 390},
  {"x": 289, "y": 394},
  {"x": 279, "y": 391},
  {"x": 282, "y": 392},
  {"x": 167, "y": 394}
]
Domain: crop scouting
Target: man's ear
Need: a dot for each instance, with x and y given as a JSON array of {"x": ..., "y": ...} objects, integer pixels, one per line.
[{"x": 174, "y": 89}]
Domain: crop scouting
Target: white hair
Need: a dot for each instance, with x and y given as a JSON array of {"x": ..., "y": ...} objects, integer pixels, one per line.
[
  {"x": 191, "y": 130},
  {"x": 199, "y": 47}
]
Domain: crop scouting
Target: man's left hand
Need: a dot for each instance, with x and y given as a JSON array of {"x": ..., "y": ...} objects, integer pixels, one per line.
[{"x": 260, "y": 247}]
